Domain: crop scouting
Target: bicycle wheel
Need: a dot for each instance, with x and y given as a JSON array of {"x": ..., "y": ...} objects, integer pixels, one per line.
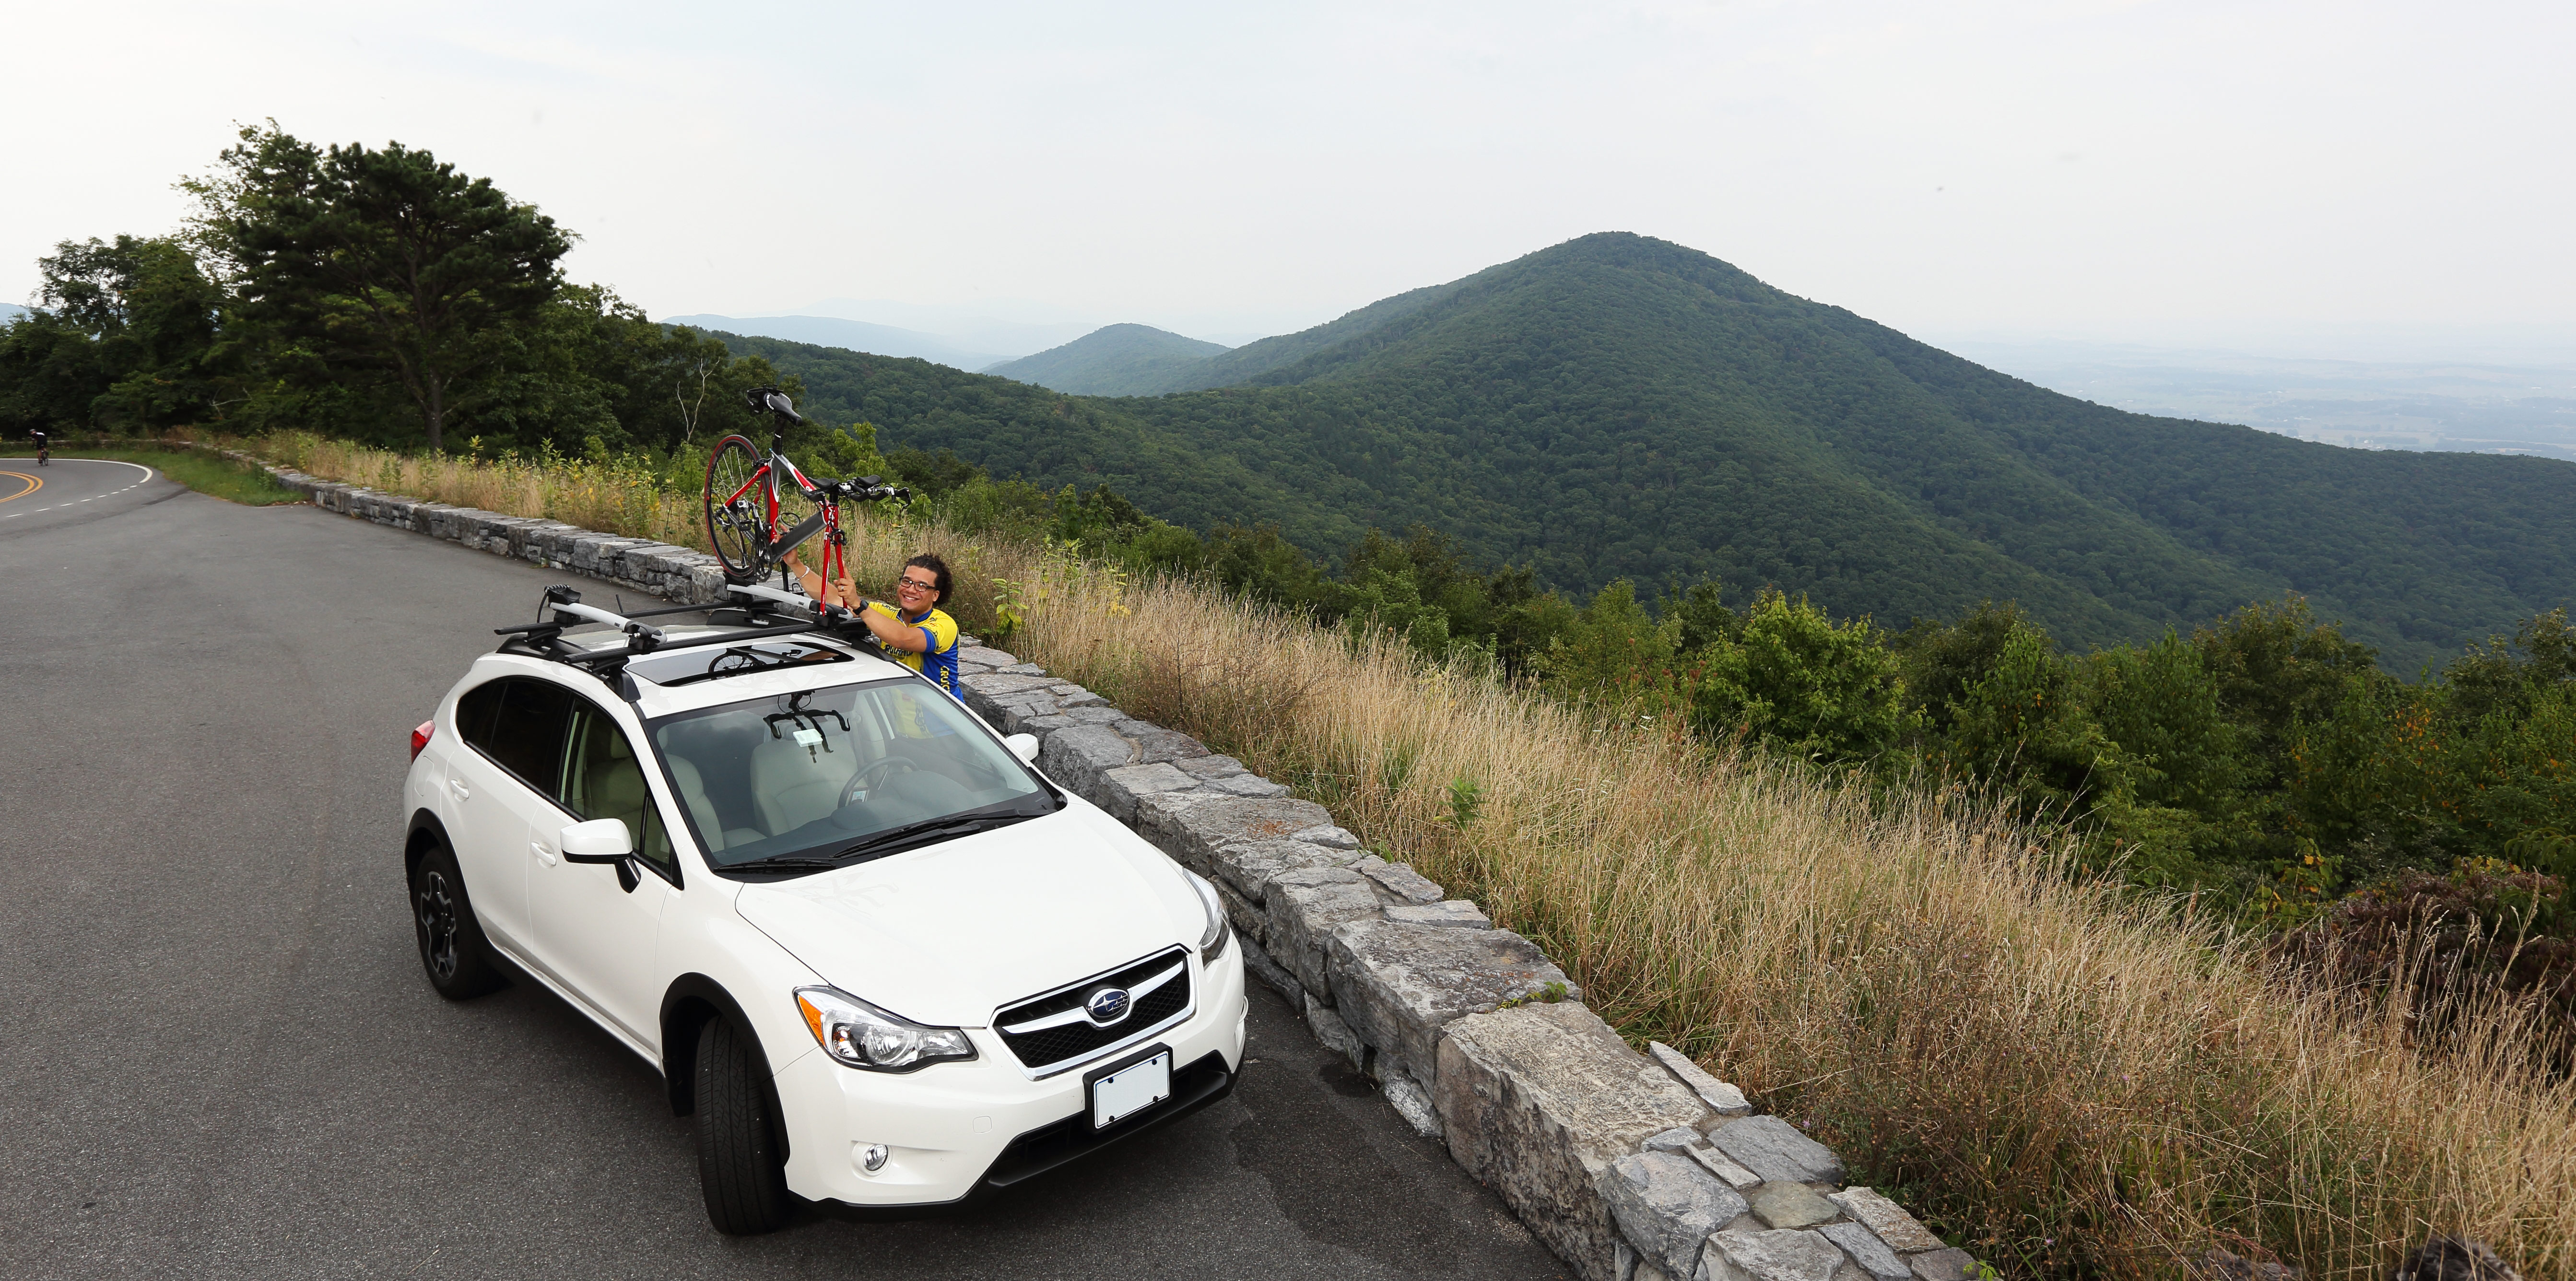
[{"x": 737, "y": 499}]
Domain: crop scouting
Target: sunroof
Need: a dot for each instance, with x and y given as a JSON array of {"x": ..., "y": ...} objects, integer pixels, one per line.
[{"x": 689, "y": 666}]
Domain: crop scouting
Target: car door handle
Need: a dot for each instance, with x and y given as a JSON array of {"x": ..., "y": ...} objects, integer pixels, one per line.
[
  {"x": 544, "y": 855},
  {"x": 457, "y": 785}
]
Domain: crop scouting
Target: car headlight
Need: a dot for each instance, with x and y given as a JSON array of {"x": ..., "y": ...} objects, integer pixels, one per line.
[
  {"x": 1211, "y": 943},
  {"x": 863, "y": 1036}
]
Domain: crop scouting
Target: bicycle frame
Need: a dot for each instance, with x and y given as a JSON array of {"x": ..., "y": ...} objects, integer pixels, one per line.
[{"x": 826, "y": 518}]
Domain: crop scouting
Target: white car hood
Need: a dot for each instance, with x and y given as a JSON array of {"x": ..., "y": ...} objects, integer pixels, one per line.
[{"x": 946, "y": 934}]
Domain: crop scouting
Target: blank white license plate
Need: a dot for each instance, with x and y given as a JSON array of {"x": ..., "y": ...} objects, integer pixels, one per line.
[{"x": 1130, "y": 1090}]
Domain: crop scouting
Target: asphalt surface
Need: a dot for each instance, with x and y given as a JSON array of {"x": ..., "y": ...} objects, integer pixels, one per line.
[{"x": 218, "y": 1057}]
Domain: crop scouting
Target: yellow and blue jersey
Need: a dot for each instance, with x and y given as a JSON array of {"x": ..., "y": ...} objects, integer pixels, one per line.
[{"x": 939, "y": 660}]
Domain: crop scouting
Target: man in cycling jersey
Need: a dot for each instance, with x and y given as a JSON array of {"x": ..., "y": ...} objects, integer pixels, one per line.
[
  {"x": 44, "y": 447},
  {"x": 912, "y": 627}
]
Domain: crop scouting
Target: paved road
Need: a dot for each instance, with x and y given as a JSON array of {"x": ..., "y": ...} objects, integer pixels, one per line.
[{"x": 218, "y": 1057}]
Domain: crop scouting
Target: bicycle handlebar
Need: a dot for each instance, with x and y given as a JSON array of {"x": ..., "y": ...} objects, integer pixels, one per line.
[{"x": 770, "y": 400}]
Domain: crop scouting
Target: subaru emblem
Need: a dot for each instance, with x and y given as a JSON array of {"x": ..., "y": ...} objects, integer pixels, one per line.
[{"x": 1107, "y": 1006}]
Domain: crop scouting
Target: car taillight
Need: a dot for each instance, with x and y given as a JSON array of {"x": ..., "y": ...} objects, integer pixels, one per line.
[{"x": 420, "y": 737}]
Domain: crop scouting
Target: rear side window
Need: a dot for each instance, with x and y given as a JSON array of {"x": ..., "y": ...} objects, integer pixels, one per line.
[{"x": 523, "y": 729}]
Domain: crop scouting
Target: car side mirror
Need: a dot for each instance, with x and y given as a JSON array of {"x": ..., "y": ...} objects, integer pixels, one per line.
[
  {"x": 1024, "y": 746},
  {"x": 601, "y": 840}
]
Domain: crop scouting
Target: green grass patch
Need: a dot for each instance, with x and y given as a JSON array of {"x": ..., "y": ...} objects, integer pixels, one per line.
[{"x": 203, "y": 471}]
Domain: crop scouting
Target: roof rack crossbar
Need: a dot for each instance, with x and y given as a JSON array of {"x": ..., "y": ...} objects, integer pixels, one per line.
[{"x": 742, "y": 636}]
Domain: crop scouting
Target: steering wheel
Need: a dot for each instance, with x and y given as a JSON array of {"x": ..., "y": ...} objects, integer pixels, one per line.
[{"x": 874, "y": 773}]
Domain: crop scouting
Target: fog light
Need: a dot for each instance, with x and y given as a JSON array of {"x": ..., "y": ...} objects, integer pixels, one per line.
[{"x": 872, "y": 1156}]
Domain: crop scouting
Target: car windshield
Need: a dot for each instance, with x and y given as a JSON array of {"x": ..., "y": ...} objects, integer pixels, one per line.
[{"x": 824, "y": 774}]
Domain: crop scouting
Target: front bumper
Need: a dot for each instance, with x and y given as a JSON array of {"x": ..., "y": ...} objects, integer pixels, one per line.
[{"x": 956, "y": 1128}]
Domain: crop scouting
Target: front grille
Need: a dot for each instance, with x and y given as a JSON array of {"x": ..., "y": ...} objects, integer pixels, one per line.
[{"x": 1067, "y": 1042}]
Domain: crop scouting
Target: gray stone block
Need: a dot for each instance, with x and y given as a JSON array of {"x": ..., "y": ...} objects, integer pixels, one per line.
[
  {"x": 1332, "y": 1033},
  {"x": 1411, "y": 1102},
  {"x": 1667, "y": 1206},
  {"x": 1537, "y": 1102},
  {"x": 1081, "y": 715},
  {"x": 969, "y": 652},
  {"x": 1247, "y": 785},
  {"x": 1304, "y": 907},
  {"x": 1774, "y": 1256},
  {"x": 1401, "y": 884},
  {"x": 1125, "y": 783},
  {"x": 1326, "y": 833},
  {"x": 1250, "y": 923},
  {"x": 1793, "y": 1205},
  {"x": 1721, "y": 1097},
  {"x": 1021, "y": 669},
  {"x": 1680, "y": 1138},
  {"x": 1158, "y": 744},
  {"x": 1941, "y": 1265},
  {"x": 1191, "y": 830},
  {"x": 1081, "y": 757},
  {"x": 1456, "y": 914},
  {"x": 1734, "y": 1176},
  {"x": 1211, "y": 766},
  {"x": 1249, "y": 866},
  {"x": 1866, "y": 1250},
  {"x": 1399, "y": 985},
  {"x": 1774, "y": 1149},
  {"x": 1886, "y": 1218},
  {"x": 1258, "y": 964}
]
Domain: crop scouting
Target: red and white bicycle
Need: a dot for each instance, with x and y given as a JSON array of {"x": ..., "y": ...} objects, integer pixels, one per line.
[{"x": 761, "y": 506}]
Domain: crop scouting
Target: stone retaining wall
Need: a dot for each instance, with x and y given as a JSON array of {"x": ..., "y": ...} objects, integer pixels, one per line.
[{"x": 1631, "y": 1167}]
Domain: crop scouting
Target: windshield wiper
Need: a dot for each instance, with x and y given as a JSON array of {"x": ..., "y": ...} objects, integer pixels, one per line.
[
  {"x": 782, "y": 863},
  {"x": 896, "y": 839}
]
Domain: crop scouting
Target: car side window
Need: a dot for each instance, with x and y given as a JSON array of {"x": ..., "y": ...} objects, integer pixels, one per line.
[
  {"x": 604, "y": 778},
  {"x": 524, "y": 732}
]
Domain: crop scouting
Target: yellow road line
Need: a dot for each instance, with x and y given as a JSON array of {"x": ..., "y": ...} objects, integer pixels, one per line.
[{"x": 34, "y": 483}]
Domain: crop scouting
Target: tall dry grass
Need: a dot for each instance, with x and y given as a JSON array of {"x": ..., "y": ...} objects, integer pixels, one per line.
[
  {"x": 2069, "y": 1080},
  {"x": 619, "y": 496},
  {"x": 630, "y": 497}
]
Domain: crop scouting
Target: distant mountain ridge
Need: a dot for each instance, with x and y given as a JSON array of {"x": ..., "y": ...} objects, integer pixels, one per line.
[
  {"x": 855, "y": 335},
  {"x": 1115, "y": 360},
  {"x": 1617, "y": 406}
]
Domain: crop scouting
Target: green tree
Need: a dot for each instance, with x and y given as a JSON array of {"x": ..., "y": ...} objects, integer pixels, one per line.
[
  {"x": 129, "y": 338},
  {"x": 1800, "y": 683},
  {"x": 1614, "y": 653},
  {"x": 2024, "y": 730},
  {"x": 387, "y": 259}
]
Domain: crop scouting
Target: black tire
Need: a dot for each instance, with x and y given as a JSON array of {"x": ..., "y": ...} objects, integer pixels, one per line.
[
  {"x": 738, "y": 528},
  {"x": 453, "y": 950},
  {"x": 741, "y": 1170}
]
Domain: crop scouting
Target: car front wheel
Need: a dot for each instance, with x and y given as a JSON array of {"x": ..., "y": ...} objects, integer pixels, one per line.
[
  {"x": 452, "y": 947},
  {"x": 741, "y": 1170}
]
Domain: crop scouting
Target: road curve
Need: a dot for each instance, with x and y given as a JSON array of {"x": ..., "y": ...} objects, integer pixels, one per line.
[
  {"x": 75, "y": 491},
  {"x": 221, "y": 1060}
]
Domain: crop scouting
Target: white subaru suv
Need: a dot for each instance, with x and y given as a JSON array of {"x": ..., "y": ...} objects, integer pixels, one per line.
[{"x": 878, "y": 956}]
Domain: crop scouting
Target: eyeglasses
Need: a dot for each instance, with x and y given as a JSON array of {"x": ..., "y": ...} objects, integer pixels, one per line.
[{"x": 916, "y": 585}]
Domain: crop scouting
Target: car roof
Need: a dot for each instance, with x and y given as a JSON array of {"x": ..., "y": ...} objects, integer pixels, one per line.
[{"x": 654, "y": 700}]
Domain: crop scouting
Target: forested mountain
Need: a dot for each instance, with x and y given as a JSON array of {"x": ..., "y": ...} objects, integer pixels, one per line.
[
  {"x": 1115, "y": 360},
  {"x": 1617, "y": 406}
]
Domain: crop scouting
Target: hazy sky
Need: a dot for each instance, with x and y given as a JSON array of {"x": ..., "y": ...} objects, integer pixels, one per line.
[{"x": 2150, "y": 171}]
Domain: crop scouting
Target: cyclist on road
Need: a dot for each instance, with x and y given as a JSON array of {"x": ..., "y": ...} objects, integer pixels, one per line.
[
  {"x": 912, "y": 627},
  {"x": 44, "y": 448}
]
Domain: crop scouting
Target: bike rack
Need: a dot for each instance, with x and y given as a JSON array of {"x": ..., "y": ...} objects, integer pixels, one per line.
[{"x": 545, "y": 639}]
